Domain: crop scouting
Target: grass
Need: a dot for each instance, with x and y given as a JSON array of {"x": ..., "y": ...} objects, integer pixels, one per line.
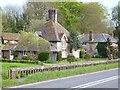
[
  {"x": 58, "y": 74},
  {"x": 6, "y": 66}
]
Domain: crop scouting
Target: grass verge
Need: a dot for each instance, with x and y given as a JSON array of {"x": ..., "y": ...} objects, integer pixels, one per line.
[{"x": 58, "y": 74}]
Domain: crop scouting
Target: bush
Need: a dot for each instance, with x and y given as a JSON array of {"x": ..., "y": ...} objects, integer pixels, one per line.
[
  {"x": 102, "y": 49},
  {"x": 25, "y": 58},
  {"x": 19, "y": 61},
  {"x": 82, "y": 54},
  {"x": 87, "y": 56},
  {"x": 70, "y": 58},
  {"x": 50, "y": 61},
  {"x": 43, "y": 56},
  {"x": 15, "y": 53},
  {"x": 59, "y": 56},
  {"x": 23, "y": 74},
  {"x": 18, "y": 75}
]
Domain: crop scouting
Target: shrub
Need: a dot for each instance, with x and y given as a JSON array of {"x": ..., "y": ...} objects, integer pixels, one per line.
[
  {"x": 82, "y": 54},
  {"x": 50, "y": 61},
  {"x": 23, "y": 74},
  {"x": 70, "y": 58},
  {"x": 102, "y": 49},
  {"x": 25, "y": 58},
  {"x": 18, "y": 75},
  {"x": 87, "y": 56},
  {"x": 43, "y": 56},
  {"x": 59, "y": 56},
  {"x": 15, "y": 53},
  {"x": 19, "y": 61}
]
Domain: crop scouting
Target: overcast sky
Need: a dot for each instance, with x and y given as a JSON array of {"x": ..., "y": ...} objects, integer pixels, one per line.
[{"x": 109, "y": 4}]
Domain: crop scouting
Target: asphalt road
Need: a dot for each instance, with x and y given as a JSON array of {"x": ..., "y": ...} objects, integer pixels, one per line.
[{"x": 102, "y": 79}]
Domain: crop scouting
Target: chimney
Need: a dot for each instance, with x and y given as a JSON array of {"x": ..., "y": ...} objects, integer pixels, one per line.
[
  {"x": 91, "y": 36},
  {"x": 52, "y": 14}
]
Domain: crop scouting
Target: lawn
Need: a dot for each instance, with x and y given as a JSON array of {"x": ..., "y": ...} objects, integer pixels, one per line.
[
  {"x": 56, "y": 74},
  {"x": 6, "y": 66}
]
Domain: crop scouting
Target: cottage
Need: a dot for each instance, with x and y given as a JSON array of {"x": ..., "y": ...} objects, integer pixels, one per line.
[
  {"x": 56, "y": 34},
  {"x": 91, "y": 40},
  {"x": 10, "y": 41},
  {"x": 11, "y": 38}
]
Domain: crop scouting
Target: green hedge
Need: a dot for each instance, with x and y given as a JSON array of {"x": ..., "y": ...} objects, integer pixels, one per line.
[
  {"x": 44, "y": 56},
  {"x": 59, "y": 56},
  {"x": 71, "y": 58},
  {"x": 19, "y": 61},
  {"x": 82, "y": 54}
]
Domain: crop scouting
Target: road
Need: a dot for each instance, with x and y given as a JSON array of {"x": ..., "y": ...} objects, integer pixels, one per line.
[{"x": 101, "y": 79}]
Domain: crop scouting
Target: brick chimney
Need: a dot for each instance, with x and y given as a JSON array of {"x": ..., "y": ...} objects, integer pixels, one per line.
[
  {"x": 91, "y": 36},
  {"x": 52, "y": 14}
]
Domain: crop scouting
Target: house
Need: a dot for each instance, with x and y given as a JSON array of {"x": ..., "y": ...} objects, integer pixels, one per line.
[
  {"x": 7, "y": 51},
  {"x": 56, "y": 34},
  {"x": 9, "y": 41},
  {"x": 11, "y": 38},
  {"x": 91, "y": 40}
]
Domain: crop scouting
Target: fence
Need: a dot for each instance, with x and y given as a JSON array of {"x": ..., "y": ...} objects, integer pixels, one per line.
[{"x": 13, "y": 72}]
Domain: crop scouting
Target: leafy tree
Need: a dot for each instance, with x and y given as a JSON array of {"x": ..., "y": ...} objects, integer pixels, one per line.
[
  {"x": 116, "y": 19},
  {"x": 29, "y": 40},
  {"x": 82, "y": 17},
  {"x": 12, "y": 19},
  {"x": 74, "y": 42}
]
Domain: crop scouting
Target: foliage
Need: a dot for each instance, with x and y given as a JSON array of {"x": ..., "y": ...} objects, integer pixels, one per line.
[
  {"x": 50, "y": 61},
  {"x": 19, "y": 61},
  {"x": 15, "y": 53},
  {"x": 82, "y": 54},
  {"x": 74, "y": 42},
  {"x": 8, "y": 65},
  {"x": 37, "y": 77},
  {"x": 18, "y": 75},
  {"x": 29, "y": 41},
  {"x": 25, "y": 58},
  {"x": 44, "y": 56},
  {"x": 116, "y": 19},
  {"x": 102, "y": 49},
  {"x": 87, "y": 56},
  {"x": 59, "y": 56},
  {"x": 78, "y": 16},
  {"x": 70, "y": 58}
]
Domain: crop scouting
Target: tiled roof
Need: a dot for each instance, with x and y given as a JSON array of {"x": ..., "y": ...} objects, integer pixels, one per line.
[
  {"x": 99, "y": 38},
  {"x": 51, "y": 31},
  {"x": 10, "y": 36}
]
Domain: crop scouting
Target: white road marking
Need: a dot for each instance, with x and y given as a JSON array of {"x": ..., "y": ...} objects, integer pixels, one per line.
[
  {"x": 20, "y": 86},
  {"x": 96, "y": 82}
]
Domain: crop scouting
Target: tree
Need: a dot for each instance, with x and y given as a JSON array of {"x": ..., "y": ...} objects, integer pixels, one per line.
[
  {"x": 12, "y": 19},
  {"x": 93, "y": 18},
  {"x": 82, "y": 17},
  {"x": 29, "y": 41},
  {"x": 116, "y": 19},
  {"x": 74, "y": 42}
]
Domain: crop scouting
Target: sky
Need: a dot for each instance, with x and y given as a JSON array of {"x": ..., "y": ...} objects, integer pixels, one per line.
[{"x": 109, "y": 4}]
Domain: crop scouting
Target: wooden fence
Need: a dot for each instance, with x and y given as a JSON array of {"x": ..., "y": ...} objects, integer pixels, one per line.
[{"x": 13, "y": 72}]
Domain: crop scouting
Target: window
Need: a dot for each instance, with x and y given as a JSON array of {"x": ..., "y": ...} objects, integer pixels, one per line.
[
  {"x": 24, "y": 53},
  {"x": 84, "y": 43}
]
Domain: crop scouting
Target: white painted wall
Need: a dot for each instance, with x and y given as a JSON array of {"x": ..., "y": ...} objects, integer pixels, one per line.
[
  {"x": 76, "y": 53},
  {"x": 11, "y": 56}
]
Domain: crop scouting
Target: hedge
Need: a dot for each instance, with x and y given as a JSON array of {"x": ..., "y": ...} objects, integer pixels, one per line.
[
  {"x": 19, "y": 61},
  {"x": 44, "y": 56}
]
